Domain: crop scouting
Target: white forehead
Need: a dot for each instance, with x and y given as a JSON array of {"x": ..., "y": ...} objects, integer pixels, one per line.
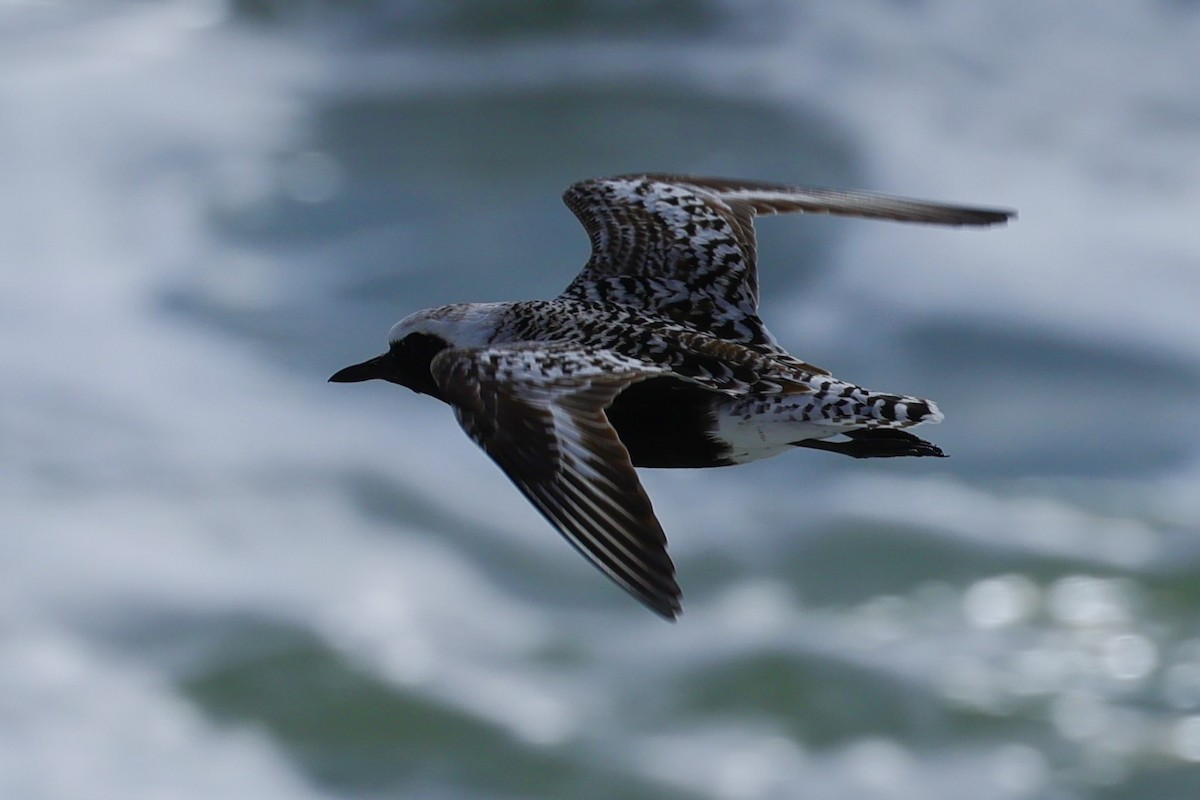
[{"x": 462, "y": 324}]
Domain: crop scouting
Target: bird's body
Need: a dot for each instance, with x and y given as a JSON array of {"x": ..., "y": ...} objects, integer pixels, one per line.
[{"x": 654, "y": 356}]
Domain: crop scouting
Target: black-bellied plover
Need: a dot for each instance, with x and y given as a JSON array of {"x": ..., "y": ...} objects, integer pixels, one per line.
[{"x": 654, "y": 356}]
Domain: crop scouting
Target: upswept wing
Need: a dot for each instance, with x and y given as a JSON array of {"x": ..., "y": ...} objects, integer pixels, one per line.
[
  {"x": 683, "y": 247},
  {"x": 539, "y": 414}
]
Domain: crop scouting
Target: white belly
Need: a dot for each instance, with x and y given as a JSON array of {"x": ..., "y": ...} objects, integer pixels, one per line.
[{"x": 754, "y": 429}]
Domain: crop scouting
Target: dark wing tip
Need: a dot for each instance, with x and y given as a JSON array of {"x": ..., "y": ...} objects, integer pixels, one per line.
[
  {"x": 982, "y": 216},
  {"x": 668, "y": 607},
  {"x": 770, "y": 197},
  {"x": 666, "y": 604},
  {"x": 671, "y": 613},
  {"x": 644, "y": 571}
]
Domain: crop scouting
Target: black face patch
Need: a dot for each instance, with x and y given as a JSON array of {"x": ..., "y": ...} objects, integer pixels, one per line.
[{"x": 410, "y": 358}]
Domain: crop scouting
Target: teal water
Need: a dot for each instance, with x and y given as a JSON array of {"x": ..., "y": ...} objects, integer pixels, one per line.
[{"x": 221, "y": 577}]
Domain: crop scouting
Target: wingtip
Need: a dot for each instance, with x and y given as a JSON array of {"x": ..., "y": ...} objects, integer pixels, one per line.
[
  {"x": 668, "y": 607},
  {"x": 997, "y": 216},
  {"x": 670, "y": 614},
  {"x": 961, "y": 216}
]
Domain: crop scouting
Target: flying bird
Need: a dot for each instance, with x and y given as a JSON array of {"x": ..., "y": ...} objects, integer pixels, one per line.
[{"x": 653, "y": 356}]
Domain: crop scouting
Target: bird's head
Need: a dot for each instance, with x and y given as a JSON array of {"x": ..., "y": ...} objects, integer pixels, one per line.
[{"x": 416, "y": 339}]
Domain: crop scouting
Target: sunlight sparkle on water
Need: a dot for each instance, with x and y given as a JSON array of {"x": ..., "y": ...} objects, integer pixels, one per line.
[
  {"x": 1083, "y": 601},
  {"x": 1185, "y": 738},
  {"x": 1000, "y": 601},
  {"x": 1129, "y": 656}
]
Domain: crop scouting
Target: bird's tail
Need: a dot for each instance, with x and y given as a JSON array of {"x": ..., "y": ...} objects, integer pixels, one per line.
[
  {"x": 901, "y": 411},
  {"x": 844, "y": 404}
]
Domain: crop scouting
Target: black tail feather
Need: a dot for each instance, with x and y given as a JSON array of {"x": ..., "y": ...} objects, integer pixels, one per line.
[{"x": 876, "y": 443}]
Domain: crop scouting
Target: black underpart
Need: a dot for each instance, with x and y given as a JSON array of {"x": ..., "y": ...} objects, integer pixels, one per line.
[
  {"x": 665, "y": 422},
  {"x": 876, "y": 443}
]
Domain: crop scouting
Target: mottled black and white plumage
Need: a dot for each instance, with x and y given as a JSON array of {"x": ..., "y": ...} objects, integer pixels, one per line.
[{"x": 654, "y": 356}]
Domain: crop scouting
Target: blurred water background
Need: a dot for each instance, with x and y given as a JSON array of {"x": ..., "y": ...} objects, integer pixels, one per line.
[{"x": 222, "y": 577}]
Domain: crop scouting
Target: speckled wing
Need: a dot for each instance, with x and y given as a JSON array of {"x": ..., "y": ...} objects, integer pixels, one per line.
[
  {"x": 683, "y": 247},
  {"x": 539, "y": 413}
]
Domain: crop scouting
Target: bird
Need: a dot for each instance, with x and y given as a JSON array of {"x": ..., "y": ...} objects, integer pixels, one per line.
[{"x": 653, "y": 356}]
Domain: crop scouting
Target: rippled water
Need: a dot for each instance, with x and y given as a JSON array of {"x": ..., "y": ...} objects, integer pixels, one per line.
[{"x": 222, "y": 577}]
